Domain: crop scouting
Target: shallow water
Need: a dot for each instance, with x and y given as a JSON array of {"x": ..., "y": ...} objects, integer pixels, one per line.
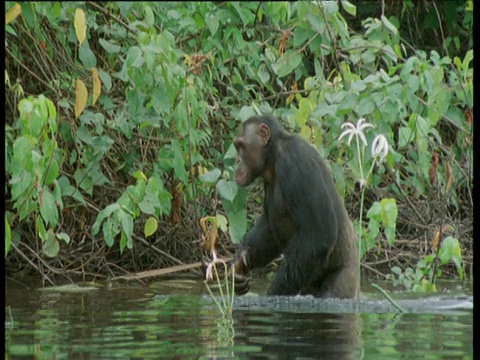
[{"x": 175, "y": 319}]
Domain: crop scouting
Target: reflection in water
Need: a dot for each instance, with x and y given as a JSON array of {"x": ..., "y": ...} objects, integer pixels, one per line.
[
  {"x": 134, "y": 323},
  {"x": 308, "y": 336}
]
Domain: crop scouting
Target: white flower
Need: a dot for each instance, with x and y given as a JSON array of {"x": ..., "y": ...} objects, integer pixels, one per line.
[
  {"x": 215, "y": 260},
  {"x": 380, "y": 148},
  {"x": 355, "y": 131}
]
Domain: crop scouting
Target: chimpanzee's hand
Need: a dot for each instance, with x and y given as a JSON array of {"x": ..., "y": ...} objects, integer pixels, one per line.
[
  {"x": 242, "y": 272},
  {"x": 242, "y": 284}
]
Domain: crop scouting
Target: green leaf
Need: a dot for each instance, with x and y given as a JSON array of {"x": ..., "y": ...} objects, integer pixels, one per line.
[
  {"x": 149, "y": 16},
  {"x": 137, "y": 192},
  {"x": 211, "y": 177},
  {"x": 390, "y": 212},
  {"x": 263, "y": 74},
  {"x": 40, "y": 228},
  {"x": 212, "y": 23},
  {"x": 405, "y": 136},
  {"x": 69, "y": 190},
  {"x": 126, "y": 221},
  {"x": 178, "y": 163},
  {"x": 231, "y": 152},
  {"x": 289, "y": 62},
  {"x": 102, "y": 215},
  {"x": 375, "y": 210},
  {"x": 110, "y": 230},
  {"x": 86, "y": 56},
  {"x": 161, "y": 100},
  {"x": 52, "y": 172},
  {"x": 64, "y": 236},
  {"x": 134, "y": 57},
  {"x": 390, "y": 234},
  {"x": 150, "y": 204},
  {"x": 106, "y": 80},
  {"x": 245, "y": 14},
  {"x": 450, "y": 249},
  {"x": 349, "y": 7},
  {"x": 29, "y": 15},
  {"x": 466, "y": 61},
  {"x": 331, "y": 7},
  {"x": 222, "y": 222},
  {"x": 396, "y": 270},
  {"x": 227, "y": 189},
  {"x": 50, "y": 244},
  {"x": 365, "y": 107},
  {"x": 237, "y": 225},
  {"x": 389, "y": 25},
  {"x": 52, "y": 116},
  {"x": 57, "y": 195},
  {"x": 123, "y": 242},
  {"x": 109, "y": 46},
  {"x": 150, "y": 226},
  {"x": 48, "y": 209},
  {"x": 36, "y": 122},
  {"x": 22, "y": 151},
  {"x": 83, "y": 134},
  {"x": 246, "y": 112}
]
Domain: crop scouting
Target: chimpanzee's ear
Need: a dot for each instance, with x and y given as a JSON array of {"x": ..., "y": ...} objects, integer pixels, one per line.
[{"x": 264, "y": 133}]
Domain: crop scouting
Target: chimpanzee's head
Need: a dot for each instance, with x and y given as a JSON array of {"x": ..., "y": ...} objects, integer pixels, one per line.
[{"x": 251, "y": 144}]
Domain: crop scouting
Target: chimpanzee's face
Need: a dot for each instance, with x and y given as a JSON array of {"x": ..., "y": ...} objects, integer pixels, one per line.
[{"x": 250, "y": 144}]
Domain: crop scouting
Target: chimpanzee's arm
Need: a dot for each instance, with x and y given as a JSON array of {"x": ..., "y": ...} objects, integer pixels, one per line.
[{"x": 259, "y": 244}]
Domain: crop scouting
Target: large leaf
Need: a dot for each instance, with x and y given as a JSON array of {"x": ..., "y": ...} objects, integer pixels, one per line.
[
  {"x": 50, "y": 244},
  {"x": 237, "y": 225},
  {"x": 13, "y": 13},
  {"x": 97, "y": 86},
  {"x": 51, "y": 173},
  {"x": 48, "y": 209},
  {"x": 349, "y": 7},
  {"x": 150, "y": 226},
  {"x": 109, "y": 47},
  {"x": 80, "y": 24},
  {"x": 86, "y": 56},
  {"x": 211, "y": 177},
  {"x": 227, "y": 189},
  {"x": 288, "y": 63},
  {"x": 81, "y": 96},
  {"x": 102, "y": 215}
]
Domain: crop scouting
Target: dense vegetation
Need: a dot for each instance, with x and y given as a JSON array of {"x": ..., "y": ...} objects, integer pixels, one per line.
[{"x": 120, "y": 118}]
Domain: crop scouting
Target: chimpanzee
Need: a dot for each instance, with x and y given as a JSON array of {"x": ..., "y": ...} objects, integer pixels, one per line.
[{"x": 303, "y": 216}]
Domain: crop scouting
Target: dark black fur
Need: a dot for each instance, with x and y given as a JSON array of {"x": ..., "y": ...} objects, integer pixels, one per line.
[{"x": 305, "y": 219}]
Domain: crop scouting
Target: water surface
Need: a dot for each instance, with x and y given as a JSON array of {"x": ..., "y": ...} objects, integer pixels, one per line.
[{"x": 175, "y": 319}]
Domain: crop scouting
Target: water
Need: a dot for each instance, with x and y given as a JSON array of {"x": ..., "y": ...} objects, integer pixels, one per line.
[{"x": 169, "y": 319}]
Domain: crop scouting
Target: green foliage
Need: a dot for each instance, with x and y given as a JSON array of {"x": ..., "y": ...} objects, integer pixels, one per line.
[
  {"x": 34, "y": 164},
  {"x": 148, "y": 196},
  {"x": 381, "y": 214},
  {"x": 153, "y": 132},
  {"x": 427, "y": 270},
  {"x": 410, "y": 279}
]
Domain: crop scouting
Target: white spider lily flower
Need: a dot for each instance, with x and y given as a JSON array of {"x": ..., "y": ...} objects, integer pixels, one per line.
[
  {"x": 355, "y": 131},
  {"x": 380, "y": 148},
  {"x": 215, "y": 260}
]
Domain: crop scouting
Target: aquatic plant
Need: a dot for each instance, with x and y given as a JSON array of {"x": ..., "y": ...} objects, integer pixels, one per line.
[
  {"x": 379, "y": 152},
  {"x": 225, "y": 283}
]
